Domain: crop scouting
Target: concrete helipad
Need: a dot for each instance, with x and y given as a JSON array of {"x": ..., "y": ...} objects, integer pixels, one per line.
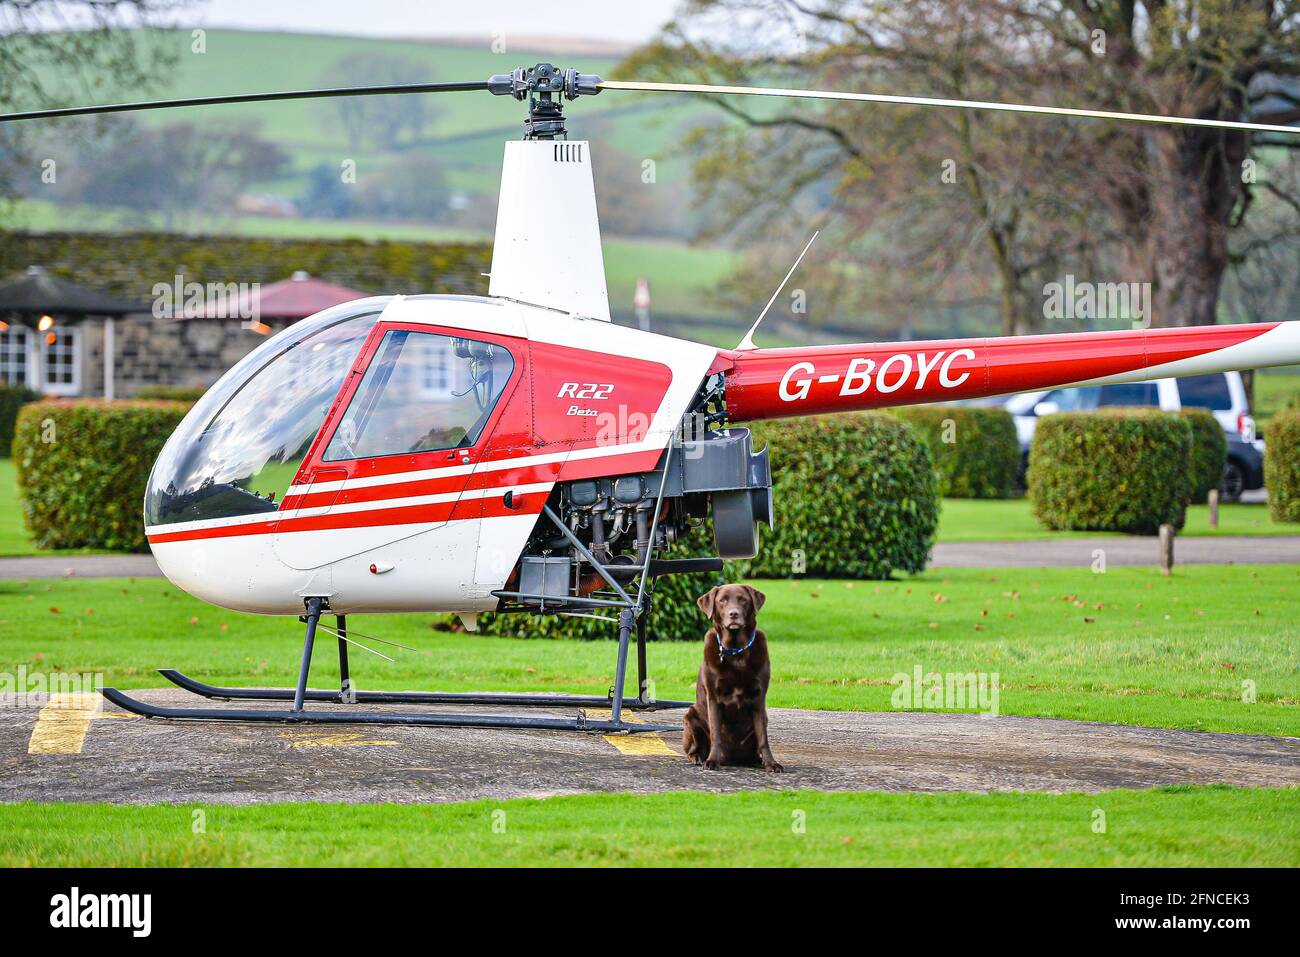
[{"x": 62, "y": 754}]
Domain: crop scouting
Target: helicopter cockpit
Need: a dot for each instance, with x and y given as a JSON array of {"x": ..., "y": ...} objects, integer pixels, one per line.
[{"x": 239, "y": 448}]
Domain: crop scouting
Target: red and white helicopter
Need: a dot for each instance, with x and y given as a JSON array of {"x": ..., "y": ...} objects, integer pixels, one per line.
[{"x": 518, "y": 452}]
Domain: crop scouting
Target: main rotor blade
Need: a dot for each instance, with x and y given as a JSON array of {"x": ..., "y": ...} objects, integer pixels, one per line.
[
  {"x": 939, "y": 101},
  {"x": 247, "y": 98}
]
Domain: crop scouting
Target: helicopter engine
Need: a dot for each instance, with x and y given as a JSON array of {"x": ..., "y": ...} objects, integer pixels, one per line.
[{"x": 625, "y": 521}]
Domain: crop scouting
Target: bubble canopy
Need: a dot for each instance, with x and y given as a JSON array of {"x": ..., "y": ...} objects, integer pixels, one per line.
[{"x": 238, "y": 449}]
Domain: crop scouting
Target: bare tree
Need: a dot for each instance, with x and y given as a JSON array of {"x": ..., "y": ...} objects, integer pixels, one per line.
[
  {"x": 1025, "y": 197},
  {"x": 96, "y": 48}
]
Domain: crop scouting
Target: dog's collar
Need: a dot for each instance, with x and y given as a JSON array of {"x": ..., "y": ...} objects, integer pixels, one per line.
[{"x": 724, "y": 652}]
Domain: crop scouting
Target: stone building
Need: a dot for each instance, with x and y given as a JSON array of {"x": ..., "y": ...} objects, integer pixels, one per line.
[{"x": 183, "y": 341}]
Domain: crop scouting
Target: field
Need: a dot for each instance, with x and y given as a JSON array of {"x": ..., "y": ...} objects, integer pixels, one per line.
[
  {"x": 1126, "y": 647},
  {"x": 1167, "y": 827},
  {"x": 992, "y": 520},
  {"x": 465, "y": 135}
]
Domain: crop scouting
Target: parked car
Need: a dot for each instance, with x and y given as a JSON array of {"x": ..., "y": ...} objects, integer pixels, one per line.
[{"x": 1223, "y": 393}]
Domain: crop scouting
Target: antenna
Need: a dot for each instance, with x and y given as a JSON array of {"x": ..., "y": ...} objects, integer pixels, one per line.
[{"x": 748, "y": 341}]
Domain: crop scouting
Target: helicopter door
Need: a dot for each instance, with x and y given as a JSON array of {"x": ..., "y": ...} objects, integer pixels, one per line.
[{"x": 397, "y": 450}]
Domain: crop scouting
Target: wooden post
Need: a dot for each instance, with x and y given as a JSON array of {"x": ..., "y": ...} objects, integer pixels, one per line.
[
  {"x": 1166, "y": 549},
  {"x": 1213, "y": 501}
]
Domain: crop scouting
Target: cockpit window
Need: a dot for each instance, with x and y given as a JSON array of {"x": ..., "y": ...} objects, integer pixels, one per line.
[
  {"x": 239, "y": 448},
  {"x": 422, "y": 392}
]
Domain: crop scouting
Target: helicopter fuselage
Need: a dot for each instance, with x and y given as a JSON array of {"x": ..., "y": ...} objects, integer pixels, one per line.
[{"x": 437, "y": 524}]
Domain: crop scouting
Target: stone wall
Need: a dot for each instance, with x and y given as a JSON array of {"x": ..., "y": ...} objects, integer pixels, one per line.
[{"x": 148, "y": 351}]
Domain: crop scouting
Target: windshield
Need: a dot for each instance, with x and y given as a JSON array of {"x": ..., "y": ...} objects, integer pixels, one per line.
[{"x": 237, "y": 451}]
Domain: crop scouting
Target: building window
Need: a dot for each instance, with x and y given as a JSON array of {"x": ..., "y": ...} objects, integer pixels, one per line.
[
  {"x": 61, "y": 362},
  {"x": 13, "y": 355}
]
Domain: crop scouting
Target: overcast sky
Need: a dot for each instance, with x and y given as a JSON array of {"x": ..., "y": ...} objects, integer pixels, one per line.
[{"x": 624, "y": 21}]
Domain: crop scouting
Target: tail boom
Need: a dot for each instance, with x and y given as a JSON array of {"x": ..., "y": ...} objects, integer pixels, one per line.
[{"x": 814, "y": 380}]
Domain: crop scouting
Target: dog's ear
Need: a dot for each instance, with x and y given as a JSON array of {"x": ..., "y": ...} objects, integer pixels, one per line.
[
  {"x": 705, "y": 602},
  {"x": 756, "y": 596}
]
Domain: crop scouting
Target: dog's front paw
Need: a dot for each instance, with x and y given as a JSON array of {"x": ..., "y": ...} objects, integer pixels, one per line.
[
  {"x": 713, "y": 762},
  {"x": 773, "y": 767}
]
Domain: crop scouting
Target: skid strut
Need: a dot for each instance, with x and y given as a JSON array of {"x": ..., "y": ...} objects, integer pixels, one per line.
[{"x": 347, "y": 695}]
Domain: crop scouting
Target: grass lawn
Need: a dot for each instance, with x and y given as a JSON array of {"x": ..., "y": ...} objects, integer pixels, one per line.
[
  {"x": 1274, "y": 389},
  {"x": 1127, "y": 646},
  {"x": 13, "y": 534},
  {"x": 1164, "y": 827},
  {"x": 993, "y": 520}
]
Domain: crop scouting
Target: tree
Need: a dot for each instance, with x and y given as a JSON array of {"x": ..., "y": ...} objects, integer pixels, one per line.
[
  {"x": 412, "y": 188},
  {"x": 91, "y": 41},
  {"x": 185, "y": 173},
  {"x": 382, "y": 119},
  {"x": 1033, "y": 196}
]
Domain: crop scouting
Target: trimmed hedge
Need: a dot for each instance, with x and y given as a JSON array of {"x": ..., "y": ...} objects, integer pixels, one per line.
[
  {"x": 172, "y": 393},
  {"x": 975, "y": 449},
  {"x": 130, "y": 263},
  {"x": 1282, "y": 467},
  {"x": 855, "y": 497},
  {"x": 1116, "y": 470},
  {"x": 1209, "y": 453},
  {"x": 83, "y": 466},
  {"x": 12, "y": 398}
]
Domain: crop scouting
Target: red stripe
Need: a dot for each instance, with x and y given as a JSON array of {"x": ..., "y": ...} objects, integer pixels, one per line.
[{"x": 462, "y": 510}]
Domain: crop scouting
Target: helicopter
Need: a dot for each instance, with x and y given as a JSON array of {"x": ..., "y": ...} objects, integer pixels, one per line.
[{"x": 519, "y": 453}]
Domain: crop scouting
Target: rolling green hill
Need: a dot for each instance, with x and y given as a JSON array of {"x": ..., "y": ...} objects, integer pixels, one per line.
[{"x": 465, "y": 135}]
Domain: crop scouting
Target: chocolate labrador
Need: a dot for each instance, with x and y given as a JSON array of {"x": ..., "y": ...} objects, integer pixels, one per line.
[{"x": 728, "y": 722}]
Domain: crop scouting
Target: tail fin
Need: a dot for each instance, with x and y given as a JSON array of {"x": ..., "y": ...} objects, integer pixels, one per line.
[{"x": 779, "y": 383}]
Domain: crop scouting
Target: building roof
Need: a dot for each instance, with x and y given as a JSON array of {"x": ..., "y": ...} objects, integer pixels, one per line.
[
  {"x": 37, "y": 292},
  {"x": 294, "y": 298}
]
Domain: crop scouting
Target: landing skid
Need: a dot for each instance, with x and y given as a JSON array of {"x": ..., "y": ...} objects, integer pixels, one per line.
[
  {"x": 415, "y": 697},
  {"x": 300, "y": 695}
]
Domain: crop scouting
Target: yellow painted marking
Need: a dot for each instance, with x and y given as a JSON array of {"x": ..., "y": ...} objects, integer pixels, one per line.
[
  {"x": 650, "y": 744},
  {"x": 62, "y": 724},
  {"x": 638, "y": 744},
  {"x": 344, "y": 739}
]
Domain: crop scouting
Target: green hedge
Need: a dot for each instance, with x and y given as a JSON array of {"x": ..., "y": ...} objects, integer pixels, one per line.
[
  {"x": 172, "y": 393},
  {"x": 12, "y": 398},
  {"x": 1118, "y": 470},
  {"x": 855, "y": 497},
  {"x": 82, "y": 469},
  {"x": 1282, "y": 467},
  {"x": 1209, "y": 452},
  {"x": 131, "y": 263},
  {"x": 975, "y": 449}
]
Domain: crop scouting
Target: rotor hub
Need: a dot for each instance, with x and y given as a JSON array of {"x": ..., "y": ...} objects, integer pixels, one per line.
[{"x": 545, "y": 87}]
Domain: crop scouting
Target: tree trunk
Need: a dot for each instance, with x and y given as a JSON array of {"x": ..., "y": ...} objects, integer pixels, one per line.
[{"x": 1182, "y": 247}]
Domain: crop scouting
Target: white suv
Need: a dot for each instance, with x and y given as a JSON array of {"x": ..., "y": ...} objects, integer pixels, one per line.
[{"x": 1223, "y": 393}]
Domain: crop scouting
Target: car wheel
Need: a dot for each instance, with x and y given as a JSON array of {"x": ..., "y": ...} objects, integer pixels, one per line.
[{"x": 1234, "y": 481}]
